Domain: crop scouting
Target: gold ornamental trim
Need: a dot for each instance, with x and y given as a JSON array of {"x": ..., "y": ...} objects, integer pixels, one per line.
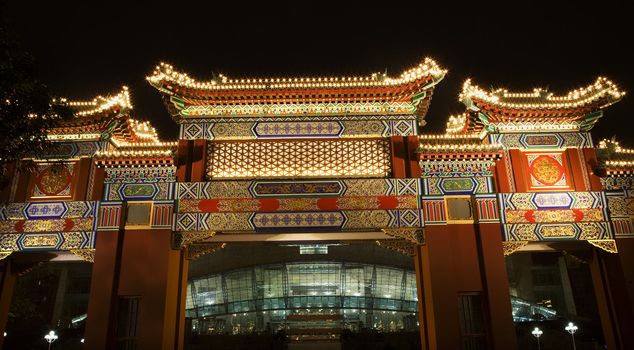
[
  {"x": 195, "y": 251},
  {"x": 510, "y": 247},
  {"x": 85, "y": 254},
  {"x": 184, "y": 238},
  {"x": 4, "y": 255},
  {"x": 415, "y": 235},
  {"x": 402, "y": 246},
  {"x": 609, "y": 245}
]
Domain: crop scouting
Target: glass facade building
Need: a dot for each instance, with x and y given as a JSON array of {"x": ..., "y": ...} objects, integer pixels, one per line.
[{"x": 319, "y": 295}]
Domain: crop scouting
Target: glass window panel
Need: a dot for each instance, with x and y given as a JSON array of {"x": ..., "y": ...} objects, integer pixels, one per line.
[
  {"x": 239, "y": 285},
  {"x": 411, "y": 291},
  {"x": 388, "y": 282}
]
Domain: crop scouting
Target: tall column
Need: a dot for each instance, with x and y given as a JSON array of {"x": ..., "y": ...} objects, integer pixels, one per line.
[
  {"x": 496, "y": 286},
  {"x": 153, "y": 270},
  {"x": 610, "y": 277},
  {"x": 138, "y": 264},
  {"x": 182, "y": 326},
  {"x": 626, "y": 259},
  {"x": 7, "y": 282},
  {"x": 459, "y": 261},
  {"x": 102, "y": 302}
]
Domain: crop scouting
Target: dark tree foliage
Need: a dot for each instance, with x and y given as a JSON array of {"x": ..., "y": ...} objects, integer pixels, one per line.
[{"x": 27, "y": 108}]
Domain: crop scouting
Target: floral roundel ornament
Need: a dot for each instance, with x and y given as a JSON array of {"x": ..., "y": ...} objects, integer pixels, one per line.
[
  {"x": 54, "y": 180},
  {"x": 547, "y": 170}
]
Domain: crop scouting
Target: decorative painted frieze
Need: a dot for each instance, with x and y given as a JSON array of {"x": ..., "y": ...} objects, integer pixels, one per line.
[
  {"x": 293, "y": 128},
  {"x": 297, "y": 188},
  {"x": 294, "y": 221},
  {"x": 47, "y": 241},
  {"x": 541, "y": 141}
]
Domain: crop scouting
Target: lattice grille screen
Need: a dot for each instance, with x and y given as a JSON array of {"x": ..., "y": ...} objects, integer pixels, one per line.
[{"x": 298, "y": 158}]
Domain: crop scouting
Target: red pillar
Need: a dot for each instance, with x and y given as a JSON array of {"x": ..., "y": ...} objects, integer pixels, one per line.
[
  {"x": 199, "y": 155},
  {"x": 460, "y": 260},
  {"x": 102, "y": 302},
  {"x": 612, "y": 279},
  {"x": 496, "y": 286},
  {"x": 399, "y": 157},
  {"x": 98, "y": 181},
  {"x": 181, "y": 323},
  {"x": 516, "y": 162},
  {"x": 413, "y": 168},
  {"x": 151, "y": 270},
  {"x": 449, "y": 251},
  {"x": 626, "y": 261},
  {"x": 137, "y": 263},
  {"x": 83, "y": 176}
]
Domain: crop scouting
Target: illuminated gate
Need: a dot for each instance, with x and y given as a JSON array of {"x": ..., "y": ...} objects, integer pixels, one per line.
[{"x": 323, "y": 159}]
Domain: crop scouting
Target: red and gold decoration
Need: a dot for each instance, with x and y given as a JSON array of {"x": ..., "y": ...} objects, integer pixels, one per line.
[
  {"x": 53, "y": 180},
  {"x": 547, "y": 171}
]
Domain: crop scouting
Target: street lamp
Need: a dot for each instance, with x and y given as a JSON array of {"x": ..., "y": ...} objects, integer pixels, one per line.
[
  {"x": 571, "y": 328},
  {"x": 537, "y": 333},
  {"x": 50, "y": 338}
]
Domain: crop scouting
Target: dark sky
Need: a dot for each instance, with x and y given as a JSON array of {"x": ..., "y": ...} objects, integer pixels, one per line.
[{"x": 87, "y": 48}]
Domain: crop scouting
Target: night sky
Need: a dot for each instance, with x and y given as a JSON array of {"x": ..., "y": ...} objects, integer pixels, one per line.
[{"x": 87, "y": 48}]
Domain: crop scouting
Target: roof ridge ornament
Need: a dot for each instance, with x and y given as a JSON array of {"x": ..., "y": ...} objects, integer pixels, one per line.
[
  {"x": 187, "y": 97},
  {"x": 165, "y": 72},
  {"x": 542, "y": 97},
  {"x": 501, "y": 111}
]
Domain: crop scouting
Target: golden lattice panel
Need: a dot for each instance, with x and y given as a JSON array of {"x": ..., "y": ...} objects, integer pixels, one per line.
[{"x": 298, "y": 158}]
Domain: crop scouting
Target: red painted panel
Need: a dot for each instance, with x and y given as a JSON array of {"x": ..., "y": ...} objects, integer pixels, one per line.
[
  {"x": 500, "y": 178},
  {"x": 577, "y": 170},
  {"x": 592, "y": 163},
  {"x": 182, "y": 158},
  {"x": 199, "y": 155},
  {"x": 414, "y": 170},
  {"x": 398, "y": 157},
  {"x": 517, "y": 161}
]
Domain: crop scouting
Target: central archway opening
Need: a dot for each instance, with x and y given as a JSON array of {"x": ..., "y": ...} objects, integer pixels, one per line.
[{"x": 335, "y": 294}]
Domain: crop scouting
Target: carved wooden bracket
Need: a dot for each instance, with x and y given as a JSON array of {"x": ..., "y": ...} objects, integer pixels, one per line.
[
  {"x": 196, "y": 250},
  {"x": 184, "y": 238},
  {"x": 85, "y": 254},
  {"x": 415, "y": 235},
  {"x": 400, "y": 245},
  {"x": 609, "y": 245},
  {"x": 511, "y": 247}
]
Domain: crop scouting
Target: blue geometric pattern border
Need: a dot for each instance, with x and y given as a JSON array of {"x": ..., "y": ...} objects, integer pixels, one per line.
[
  {"x": 298, "y": 221},
  {"x": 457, "y": 185},
  {"x": 268, "y": 128},
  {"x": 298, "y": 188},
  {"x": 48, "y": 210},
  {"x": 551, "y": 200},
  {"x": 542, "y": 140}
]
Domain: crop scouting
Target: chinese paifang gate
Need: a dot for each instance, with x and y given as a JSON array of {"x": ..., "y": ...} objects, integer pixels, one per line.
[{"x": 322, "y": 160}]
